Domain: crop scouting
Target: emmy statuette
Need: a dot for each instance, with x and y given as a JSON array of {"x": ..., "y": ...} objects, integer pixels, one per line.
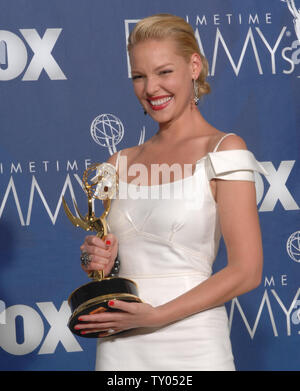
[
  {"x": 296, "y": 19},
  {"x": 93, "y": 297}
]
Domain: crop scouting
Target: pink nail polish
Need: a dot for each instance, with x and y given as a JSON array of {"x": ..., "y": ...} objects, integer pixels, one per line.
[{"x": 108, "y": 242}]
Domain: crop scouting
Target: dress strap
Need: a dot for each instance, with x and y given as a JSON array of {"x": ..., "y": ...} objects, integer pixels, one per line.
[{"x": 221, "y": 139}]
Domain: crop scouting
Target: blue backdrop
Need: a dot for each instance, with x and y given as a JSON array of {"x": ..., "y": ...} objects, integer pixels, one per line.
[{"x": 62, "y": 65}]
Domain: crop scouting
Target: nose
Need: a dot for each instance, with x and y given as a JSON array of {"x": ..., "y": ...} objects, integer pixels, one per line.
[{"x": 151, "y": 85}]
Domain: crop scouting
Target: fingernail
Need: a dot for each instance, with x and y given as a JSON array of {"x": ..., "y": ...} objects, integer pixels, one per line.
[
  {"x": 108, "y": 242},
  {"x": 111, "y": 303},
  {"x": 83, "y": 332},
  {"x": 80, "y": 319}
]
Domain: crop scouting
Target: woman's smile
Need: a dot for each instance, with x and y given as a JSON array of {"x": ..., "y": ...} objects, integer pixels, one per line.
[{"x": 159, "y": 102}]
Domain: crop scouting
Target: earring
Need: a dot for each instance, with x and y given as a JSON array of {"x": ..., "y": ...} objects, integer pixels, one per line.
[
  {"x": 196, "y": 92},
  {"x": 145, "y": 112}
]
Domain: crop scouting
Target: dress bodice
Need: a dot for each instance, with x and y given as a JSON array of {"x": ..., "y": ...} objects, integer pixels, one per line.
[{"x": 180, "y": 218}]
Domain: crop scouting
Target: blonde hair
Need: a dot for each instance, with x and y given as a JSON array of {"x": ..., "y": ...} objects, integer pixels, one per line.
[{"x": 162, "y": 26}]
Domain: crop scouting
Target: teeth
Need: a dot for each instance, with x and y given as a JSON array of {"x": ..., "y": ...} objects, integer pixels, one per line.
[{"x": 160, "y": 101}]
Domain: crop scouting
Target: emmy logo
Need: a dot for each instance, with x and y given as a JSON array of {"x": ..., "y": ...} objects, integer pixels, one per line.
[
  {"x": 293, "y": 246},
  {"x": 296, "y": 15},
  {"x": 107, "y": 130}
]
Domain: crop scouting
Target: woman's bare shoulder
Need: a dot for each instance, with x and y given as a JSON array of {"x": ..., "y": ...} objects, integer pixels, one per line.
[
  {"x": 226, "y": 141},
  {"x": 131, "y": 151},
  {"x": 232, "y": 142}
]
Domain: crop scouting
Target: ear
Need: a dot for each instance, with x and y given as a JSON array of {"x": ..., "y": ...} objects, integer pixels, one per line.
[{"x": 196, "y": 65}]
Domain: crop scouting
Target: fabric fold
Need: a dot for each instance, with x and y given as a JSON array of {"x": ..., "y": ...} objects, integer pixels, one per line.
[{"x": 238, "y": 164}]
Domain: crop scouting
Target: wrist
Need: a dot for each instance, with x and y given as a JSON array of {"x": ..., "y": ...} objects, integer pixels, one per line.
[{"x": 160, "y": 317}]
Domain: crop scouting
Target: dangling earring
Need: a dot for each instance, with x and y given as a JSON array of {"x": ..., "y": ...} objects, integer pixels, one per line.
[{"x": 196, "y": 92}]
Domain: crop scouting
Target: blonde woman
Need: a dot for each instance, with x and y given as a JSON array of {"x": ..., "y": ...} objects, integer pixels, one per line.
[{"x": 168, "y": 246}]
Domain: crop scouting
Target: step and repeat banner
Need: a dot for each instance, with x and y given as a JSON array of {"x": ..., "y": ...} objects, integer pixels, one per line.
[{"x": 66, "y": 101}]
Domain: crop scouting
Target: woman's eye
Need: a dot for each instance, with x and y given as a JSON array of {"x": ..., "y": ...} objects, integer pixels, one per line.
[
  {"x": 165, "y": 71},
  {"x": 135, "y": 77}
]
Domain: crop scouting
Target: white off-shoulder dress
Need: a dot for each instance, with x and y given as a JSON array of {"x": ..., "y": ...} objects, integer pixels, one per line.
[{"x": 168, "y": 240}]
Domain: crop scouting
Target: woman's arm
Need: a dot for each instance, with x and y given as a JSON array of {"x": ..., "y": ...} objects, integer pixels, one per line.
[
  {"x": 236, "y": 201},
  {"x": 242, "y": 237}
]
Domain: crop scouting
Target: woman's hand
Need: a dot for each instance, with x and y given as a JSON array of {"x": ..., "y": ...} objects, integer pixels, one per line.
[
  {"x": 131, "y": 315},
  {"x": 102, "y": 253}
]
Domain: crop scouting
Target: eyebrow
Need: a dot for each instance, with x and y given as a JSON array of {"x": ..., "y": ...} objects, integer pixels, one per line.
[
  {"x": 164, "y": 65},
  {"x": 156, "y": 69}
]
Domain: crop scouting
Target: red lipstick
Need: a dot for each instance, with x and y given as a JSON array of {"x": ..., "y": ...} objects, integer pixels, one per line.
[{"x": 159, "y": 102}]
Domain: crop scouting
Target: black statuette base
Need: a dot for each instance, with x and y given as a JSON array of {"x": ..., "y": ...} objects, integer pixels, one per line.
[{"x": 93, "y": 298}]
